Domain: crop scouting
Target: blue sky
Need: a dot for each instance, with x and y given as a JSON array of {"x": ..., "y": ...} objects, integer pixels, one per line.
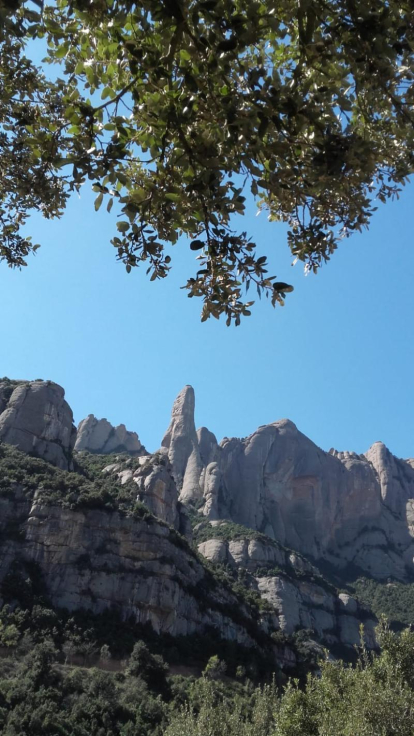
[{"x": 337, "y": 359}]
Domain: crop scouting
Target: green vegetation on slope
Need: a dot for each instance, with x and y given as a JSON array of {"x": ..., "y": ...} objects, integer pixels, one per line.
[
  {"x": 87, "y": 489},
  {"x": 393, "y": 599},
  {"x": 79, "y": 674},
  {"x": 375, "y": 698},
  {"x": 229, "y": 531},
  {"x": 81, "y": 636},
  {"x": 48, "y": 686},
  {"x": 40, "y": 694}
]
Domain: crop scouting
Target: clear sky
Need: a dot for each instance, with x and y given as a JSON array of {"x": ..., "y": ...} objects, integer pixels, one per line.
[{"x": 337, "y": 359}]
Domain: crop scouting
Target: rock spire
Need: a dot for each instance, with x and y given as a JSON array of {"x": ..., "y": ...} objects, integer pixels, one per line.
[{"x": 181, "y": 442}]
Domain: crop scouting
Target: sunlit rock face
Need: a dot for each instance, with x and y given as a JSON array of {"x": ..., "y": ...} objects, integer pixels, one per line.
[
  {"x": 313, "y": 509},
  {"x": 36, "y": 419},
  {"x": 300, "y": 597},
  {"x": 99, "y": 560},
  {"x": 155, "y": 486},
  {"x": 100, "y": 436},
  {"x": 340, "y": 507},
  {"x": 182, "y": 444}
]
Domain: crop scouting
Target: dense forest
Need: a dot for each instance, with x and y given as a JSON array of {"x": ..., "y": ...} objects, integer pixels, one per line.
[{"x": 49, "y": 686}]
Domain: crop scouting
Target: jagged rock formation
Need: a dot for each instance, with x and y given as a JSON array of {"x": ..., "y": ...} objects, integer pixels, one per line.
[
  {"x": 181, "y": 442},
  {"x": 100, "y": 436},
  {"x": 300, "y": 597},
  {"x": 343, "y": 508},
  {"x": 95, "y": 559},
  {"x": 155, "y": 485},
  {"x": 35, "y": 418},
  {"x": 337, "y": 510}
]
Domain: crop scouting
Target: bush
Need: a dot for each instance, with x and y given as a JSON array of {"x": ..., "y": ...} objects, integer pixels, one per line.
[
  {"x": 374, "y": 698},
  {"x": 215, "y": 668},
  {"x": 149, "y": 667}
]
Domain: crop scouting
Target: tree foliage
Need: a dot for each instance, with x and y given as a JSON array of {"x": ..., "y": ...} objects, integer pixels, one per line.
[
  {"x": 44, "y": 690},
  {"x": 392, "y": 599},
  {"x": 176, "y": 111},
  {"x": 375, "y": 698}
]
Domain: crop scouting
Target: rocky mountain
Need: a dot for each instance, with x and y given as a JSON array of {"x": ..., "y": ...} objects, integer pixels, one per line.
[
  {"x": 236, "y": 537},
  {"x": 299, "y": 595},
  {"x": 154, "y": 486},
  {"x": 182, "y": 445},
  {"x": 334, "y": 507},
  {"x": 35, "y": 417},
  {"x": 95, "y": 559},
  {"x": 100, "y": 436}
]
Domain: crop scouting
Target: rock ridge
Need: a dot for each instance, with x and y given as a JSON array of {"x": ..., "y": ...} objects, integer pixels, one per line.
[
  {"x": 299, "y": 596},
  {"x": 96, "y": 559},
  {"x": 343, "y": 508},
  {"x": 100, "y": 436}
]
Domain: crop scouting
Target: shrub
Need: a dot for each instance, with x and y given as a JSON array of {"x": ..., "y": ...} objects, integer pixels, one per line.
[{"x": 215, "y": 668}]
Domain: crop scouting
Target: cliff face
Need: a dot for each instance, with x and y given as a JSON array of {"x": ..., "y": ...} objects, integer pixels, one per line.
[
  {"x": 35, "y": 417},
  {"x": 342, "y": 508},
  {"x": 300, "y": 597},
  {"x": 95, "y": 544},
  {"x": 97, "y": 560},
  {"x": 155, "y": 486},
  {"x": 100, "y": 436}
]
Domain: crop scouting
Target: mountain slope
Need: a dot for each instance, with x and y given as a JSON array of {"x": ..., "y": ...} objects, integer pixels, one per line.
[
  {"x": 279, "y": 528},
  {"x": 338, "y": 507}
]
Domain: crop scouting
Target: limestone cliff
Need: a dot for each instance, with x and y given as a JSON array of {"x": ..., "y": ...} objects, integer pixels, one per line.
[
  {"x": 155, "y": 486},
  {"x": 99, "y": 435},
  {"x": 105, "y": 535},
  {"x": 96, "y": 559},
  {"x": 35, "y": 417},
  {"x": 300, "y": 596},
  {"x": 341, "y": 508}
]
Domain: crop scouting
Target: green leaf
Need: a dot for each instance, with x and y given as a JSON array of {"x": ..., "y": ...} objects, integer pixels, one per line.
[
  {"x": 98, "y": 201},
  {"x": 138, "y": 195},
  {"x": 184, "y": 55},
  {"x": 61, "y": 51},
  {"x": 107, "y": 92}
]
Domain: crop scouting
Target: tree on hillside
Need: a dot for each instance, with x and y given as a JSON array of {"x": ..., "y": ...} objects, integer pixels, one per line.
[
  {"x": 176, "y": 110},
  {"x": 373, "y": 698}
]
